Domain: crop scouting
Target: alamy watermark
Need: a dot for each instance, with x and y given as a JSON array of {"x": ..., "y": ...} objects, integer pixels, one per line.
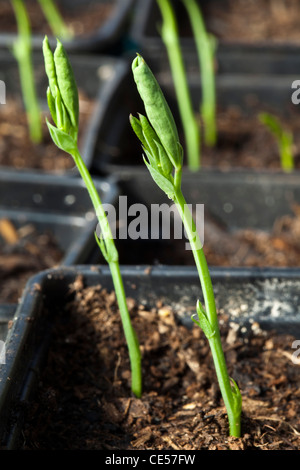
[
  {"x": 160, "y": 221},
  {"x": 2, "y": 353},
  {"x": 296, "y": 94},
  {"x": 2, "y": 92},
  {"x": 296, "y": 354}
]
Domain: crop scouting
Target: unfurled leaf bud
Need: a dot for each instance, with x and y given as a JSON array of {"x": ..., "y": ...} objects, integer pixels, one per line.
[
  {"x": 66, "y": 83},
  {"x": 62, "y": 94},
  {"x": 157, "y": 110}
]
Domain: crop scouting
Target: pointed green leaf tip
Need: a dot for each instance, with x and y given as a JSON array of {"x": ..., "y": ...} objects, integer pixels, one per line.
[
  {"x": 50, "y": 66},
  {"x": 157, "y": 110},
  {"x": 66, "y": 83},
  {"x": 62, "y": 86}
]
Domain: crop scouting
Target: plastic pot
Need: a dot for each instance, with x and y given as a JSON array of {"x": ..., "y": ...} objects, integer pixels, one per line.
[
  {"x": 57, "y": 206},
  {"x": 107, "y": 38},
  {"x": 238, "y": 198},
  {"x": 272, "y": 299},
  {"x": 242, "y": 57},
  {"x": 94, "y": 76},
  {"x": 118, "y": 151},
  {"x": 60, "y": 205}
]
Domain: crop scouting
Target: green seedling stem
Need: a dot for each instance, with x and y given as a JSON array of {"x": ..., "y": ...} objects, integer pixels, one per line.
[
  {"x": 62, "y": 95},
  {"x": 23, "y": 53},
  {"x": 163, "y": 157},
  {"x": 284, "y": 140},
  {"x": 55, "y": 19},
  {"x": 169, "y": 34},
  {"x": 206, "y": 46}
]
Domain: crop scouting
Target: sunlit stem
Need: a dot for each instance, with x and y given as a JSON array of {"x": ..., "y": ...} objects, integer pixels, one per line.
[
  {"x": 233, "y": 410},
  {"x": 206, "y": 53},
  {"x": 23, "y": 54},
  {"x": 113, "y": 261},
  {"x": 170, "y": 37},
  {"x": 55, "y": 20}
]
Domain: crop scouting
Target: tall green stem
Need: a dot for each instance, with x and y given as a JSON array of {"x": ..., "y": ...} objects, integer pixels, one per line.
[
  {"x": 23, "y": 53},
  {"x": 160, "y": 143},
  {"x": 232, "y": 406},
  {"x": 170, "y": 37},
  {"x": 112, "y": 259},
  {"x": 55, "y": 19}
]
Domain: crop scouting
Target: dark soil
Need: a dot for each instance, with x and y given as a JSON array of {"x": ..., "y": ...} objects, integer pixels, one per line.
[
  {"x": 279, "y": 247},
  {"x": 18, "y": 151},
  {"x": 84, "y": 400},
  {"x": 82, "y": 20},
  {"x": 244, "y": 142},
  {"x": 253, "y": 21},
  {"x": 249, "y": 247},
  {"x": 23, "y": 253}
]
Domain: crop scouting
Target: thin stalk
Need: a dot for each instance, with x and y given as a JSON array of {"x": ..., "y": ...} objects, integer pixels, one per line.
[
  {"x": 224, "y": 380},
  {"x": 23, "y": 54},
  {"x": 159, "y": 143},
  {"x": 55, "y": 20},
  {"x": 205, "y": 49},
  {"x": 112, "y": 259},
  {"x": 170, "y": 38}
]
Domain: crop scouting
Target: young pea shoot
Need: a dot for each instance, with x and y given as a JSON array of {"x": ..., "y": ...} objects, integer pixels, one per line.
[
  {"x": 284, "y": 140},
  {"x": 169, "y": 33},
  {"x": 55, "y": 19},
  {"x": 206, "y": 45},
  {"x": 23, "y": 53},
  {"x": 159, "y": 137},
  {"x": 62, "y": 95}
]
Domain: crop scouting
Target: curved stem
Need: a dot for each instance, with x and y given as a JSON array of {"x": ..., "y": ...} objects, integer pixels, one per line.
[
  {"x": 209, "y": 301},
  {"x": 113, "y": 261}
]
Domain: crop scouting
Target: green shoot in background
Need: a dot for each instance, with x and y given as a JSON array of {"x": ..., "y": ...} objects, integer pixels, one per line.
[
  {"x": 169, "y": 33},
  {"x": 284, "y": 140},
  {"x": 62, "y": 96},
  {"x": 163, "y": 157},
  {"x": 206, "y": 46},
  {"x": 55, "y": 19},
  {"x": 22, "y": 50}
]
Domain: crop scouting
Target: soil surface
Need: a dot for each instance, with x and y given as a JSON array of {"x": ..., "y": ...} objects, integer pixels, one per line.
[
  {"x": 249, "y": 247},
  {"x": 17, "y": 149},
  {"x": 82, "y": 21},
  {"x": 84, "y": 400},
  {"x": 23, "y": 253},
  {"x": 244, "y": 142},
  {"x": 253, "y": 21}
]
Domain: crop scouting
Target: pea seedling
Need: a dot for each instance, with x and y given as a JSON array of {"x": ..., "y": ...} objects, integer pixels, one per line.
[
  {"x": 284, "y": 140},
  {"x": 169, "y": 33},
  {"x": 206, "y": 46},
  {"x": 22, "y": 50},
  {"x": 163, "y": 157},
  {"x": 62, "y": 96}
]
